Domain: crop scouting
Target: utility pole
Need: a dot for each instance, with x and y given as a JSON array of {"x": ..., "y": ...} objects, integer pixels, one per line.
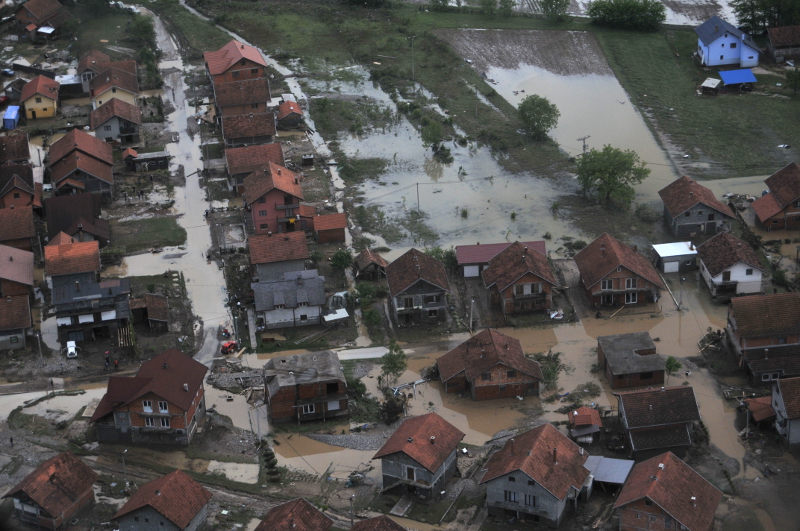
[
  {"x": 471, "y": 306},
  {"x": 125, "y": 470},
  {"x": 351, "y": 509},
  {"x": 417, "y": 197},
  {"x": 39, "y": 340},
  {"x": 583, "y": 139}
]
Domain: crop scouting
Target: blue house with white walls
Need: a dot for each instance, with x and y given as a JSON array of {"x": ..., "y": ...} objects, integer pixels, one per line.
[{"x": 720, "y": 43}]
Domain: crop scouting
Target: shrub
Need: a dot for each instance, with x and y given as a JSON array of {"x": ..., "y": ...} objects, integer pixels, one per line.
[{"x": 642, "y": 15}]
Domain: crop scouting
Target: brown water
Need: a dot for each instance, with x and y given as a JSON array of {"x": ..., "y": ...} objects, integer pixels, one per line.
[{"x": 301, "y": 453}]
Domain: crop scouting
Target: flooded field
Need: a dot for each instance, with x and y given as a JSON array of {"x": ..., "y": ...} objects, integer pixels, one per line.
[
  {"x": 299, "y": 452},
  {"x": 243, "y": 472}
]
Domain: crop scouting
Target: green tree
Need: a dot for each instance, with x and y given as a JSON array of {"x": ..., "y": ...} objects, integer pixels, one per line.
[
  {"x": 642, "y": 15},
  {"x": 793, "y": 79},
  {"x": 488, "y": 6},
  {"x": 391, "y": 408},
  {"x": 371, "y": 317},
  {"x": 555, "y": 9},
  {"x": 609, "y": 175},
  {"x": 141, "y": 29},
  {"x": 394, "y": 364},
  {"x": 432, "y": 134},
  {"x": 342, "y": 259},
  {"x": 672, "y": 365},
  {"x": 438, "y": 4},
  {"x": 757, "y": 15},
  {"x": 506, "y": 7},
  {"x": 538, "y": 116},
  {"x": 445, "y": 256}
]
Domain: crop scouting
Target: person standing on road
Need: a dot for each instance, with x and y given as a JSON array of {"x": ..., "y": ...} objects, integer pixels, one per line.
[{"x": 116, "y": 365}]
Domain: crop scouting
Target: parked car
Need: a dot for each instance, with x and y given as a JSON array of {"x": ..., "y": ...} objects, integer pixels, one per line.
[
  {"x": 229, "y": 347},
  {"x": 72, "y": 349},
  {"x": 8, "y": 72}
]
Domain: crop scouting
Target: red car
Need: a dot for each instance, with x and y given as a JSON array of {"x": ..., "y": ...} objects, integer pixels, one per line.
[{"x": 229, "y": 347}]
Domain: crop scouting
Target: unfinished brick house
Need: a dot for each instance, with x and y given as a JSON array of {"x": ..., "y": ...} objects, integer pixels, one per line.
[
  {"x": 235, "y": 61},
  {"x": 273, "y": 198},
  {"x": 519, "y": 280},
  {"x": 665, "y": 493},
  {"x": 489, "y": 365},
  {"x": 630, "y": 360},
  {"x": 305, "y": 387}
]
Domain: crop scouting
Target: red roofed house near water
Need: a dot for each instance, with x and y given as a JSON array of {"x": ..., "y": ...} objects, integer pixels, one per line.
[
  {"x": 235, "y": 61},
  {"x": 163, "y": 404},
  {"x": 289, "y": 115},
  {"x": 296, "y": 515},
  {"x": 780, "y": 208},
  {"x": 418, "y": 285},
  {"x": 330, "y": 228},
  {"x": 475, "y": 258},
  {"x": 690, "y": 208},
  {"x": 273, "y": 199},
  {"x": 378, "y": 523},
  {"x": 519, "y": 280},
  {"x": 665, "y": 493},
  {"x": 272, "y": 255},
  {"x": 420, "y": 455},
  {"x": 54, "y": 492}
]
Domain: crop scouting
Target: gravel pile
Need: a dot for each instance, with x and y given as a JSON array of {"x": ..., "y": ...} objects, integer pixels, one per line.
[
  {"x": 231, "y": 379},
  {"x": 353, "y": 441}
]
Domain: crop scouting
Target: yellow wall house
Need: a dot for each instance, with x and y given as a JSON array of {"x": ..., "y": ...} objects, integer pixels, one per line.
[
  {"x": 40, "y": 98},
  {"x": 113, "y": 83}
]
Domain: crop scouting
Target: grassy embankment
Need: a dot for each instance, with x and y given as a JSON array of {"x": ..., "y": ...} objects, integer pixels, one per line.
[{"x": 142, "y": 234}]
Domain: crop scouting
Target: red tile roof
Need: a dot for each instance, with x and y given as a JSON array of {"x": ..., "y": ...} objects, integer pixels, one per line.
[
  {"x": 658, "y": 407},
  {"x": 307, "y": 211},
  {"x": 176, "y": 496},
  {"x": 785, "y": 184},
  {"x": 248, "y": 125},
  {"x": 242, "y": 92},
  {"x": 483, "y": 351},
  {"x": 367, "y": 257},
  {"x": 157, "y": 307},
  {"x": 784, "y": 36},
  {"x": 677, "y": 489},
  {"x": 71, "y": 258},
  {"x": 771, "y": 315},
  {"x": 66, "y": 166},
  {"x": 765, "y": 207},
  {"x": 84, "y": 142},
  {"x": 221, "y": 60},
  {"x": 330, "y": 222},
  {"x": 251, "y": 158},
  {"x": 41, "y": 85},
  {"x": 684, "y": 193},
  {"x": 724, "y": 251},
  {"x": 14, "y": 147},
  {"x": 514, "y": 262},
  {"x": 41, "y": 9},
  {"x": 113, "y": 77},
  {"x": 288, "y": 107},
  {"x": 378, "y": 523},
  {"x": 15, "y": 312},
  {"x": 91, "y": 59},
  {"x": 760, "y": 408},
  {"x": 62, "y": 238},
  {"x": 584, "y": 416},
  {"x": 481, "y": 254},
  {"x": 267, "y": 249},
  {"x": 605, "y": 254},
  {"x": 546, "y": 456},
  {"x": 16, "y": 223},
  {"x": 115, "y": 107},
  {"x": 790, "y": 392},
  {"x": 260, "y": 183},
  {"x": 16, "y": 265},
  {"x": 71, "y": 182},
  {"x": 428, "y": 440},
  {"x": 412, "y": 267},
  {"x": 57, "y": 483},
  {"x": 296, "y": 515},
  {"x": 129, "y": 152},
  {"x": 130, "y": 66}
]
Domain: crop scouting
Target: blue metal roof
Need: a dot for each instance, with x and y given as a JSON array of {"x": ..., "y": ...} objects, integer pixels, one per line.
[
  {"x": 12, "y": 112},
  {"x": 733, "y": 77}
]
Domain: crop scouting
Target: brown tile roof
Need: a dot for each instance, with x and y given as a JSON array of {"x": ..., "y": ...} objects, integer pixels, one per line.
[
  {"x": 605, "y": 254},
  {"x": 656, "y": 407},
  {"x": 153, "y": 377},
  {"x": 584, "y": 416},
  {"x": 129, "y": 152},
  {"x": 267, "y": 249},
  {"x": 129, "y": 65},
  {"x": 41, "y": 85},
  {"x": 248, "y": 125},
  {"x": 96, "y": 227},
  {"x": 483, "y": 351},
  {"x": 157, "y": 307},
  {"x": 765, "y": 207},
  {"x": 677, "y": 489},
  {"x": 221, "y": 60},
  {"x": 62, "y": 238},
  {"x": 307, "y": 211},
  {"x": 16, "y": 182},
  {"x": 784, "y": 36},
  {"x": 66, "y": 166},
  {"x": 176, "y": 496},
  {"x": 760, "y": 408},
  {"x": 62, "y": 211},
  {"x": 367, "y": 257},
  {"x": 57, "y": 483},
  {"x": 70, "y": 182},
  {"x": 92, "y": 59},
  {"x": 514, "y": 262},
  {"x": 684, "y": 193},
  {"x": 115, "y": 107},
  {"x": 16, "y": 223},
  {"x": 41, "y": 9},
  {"x": 113, "y": 77},
  {"x": 251, "y": 158},
  {"x": 482, "y": 253},
  {"x": 724, "y": 251},
  {"x": 296, "y": 515},
  {"x": 546, "y": 456},
  {"x": 260, "y": 182},
  {"x": 378, "y": 523},
  {"x": 412, "y": 267},
  {"x": 70, "y": 258},
  {"x": 242, "y": 92},
  {"x": 767, "y": 315},
  {"x": 428, "y": 440},
  {"x": 785, "y": 184},
  {"x": 789, "y": 389},
  {"x": 84, "y": 142},
  {"x": 15, "y": 312},
  {"x": 787, "y": 365},
  {"x": 16, "y": 265},
  {"x": 330, "y": 222},
  {"x": 14, "y": 148},
  {"x": 288, "y": 107}
]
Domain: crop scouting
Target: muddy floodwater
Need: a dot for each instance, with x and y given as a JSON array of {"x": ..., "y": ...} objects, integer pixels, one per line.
[{"x": 299, "y": 452}]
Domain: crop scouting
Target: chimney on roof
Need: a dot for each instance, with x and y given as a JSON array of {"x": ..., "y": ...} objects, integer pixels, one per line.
[
  {"x": 251, "y": 115},
  {"x": 109, "y": 291},
  {"x": 72, "y": 240},
  {"x": 433, "y": 439},
  {"x": 691, "y": 193},
  {"x": 580, "y": 450},
  {"x": 662, "y": 388},
  {"x": 164, "y": 366},
  {"x": 411, "y": 439},
  {"x": 186, "y": 387},
  {"x": 654, "y": 478},
  {"x": 77, "y": 286},
  {"x": 716, "y": 28},
  {"x": 555, "y": 455},
  {"x": 602, "y": 250},
  {"x": 635, "y": 248},
  {"x": 694, "y": 501},
  {"x": 158, "y": 493},
  {"x": 286, "y": 238},
  {"x": 766, "y": 353},
  {"x": 10, "y": 258},
  {"x": 296, "y": 180},
  {"x": 511, "y": 446},
  {"x": 506, "y": 345}
]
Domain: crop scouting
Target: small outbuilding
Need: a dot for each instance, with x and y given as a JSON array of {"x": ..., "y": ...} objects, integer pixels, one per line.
[
  {"x": 11, "y": 117},
  {"x": 630, "y": 360},
  {"x": 584, "y": 422},
  {"x": 741, "y": 80},
  {"x": 330, "y": 228},
  {"x": 152, "y": 308},
  {"x": 289, "y": 114},
  {"x": 370, "y": 265},
  {"x": 676, "y": 257}
]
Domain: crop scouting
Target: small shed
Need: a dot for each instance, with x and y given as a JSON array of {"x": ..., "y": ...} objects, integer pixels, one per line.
[
  {"x": 584, "y": 423},
  {"x": 330, "y": 228},
  {"x": 152, "y": 308},
  {"x": 11, "y": 117},
  {"x": 676, "y": 257},
  {"x": 158, "y": 160},
  {"x": 742, "y": 78},
  {"x": 14, "y": 89},
  {"x": 370, "y": 265},
  {"x": 710, "y": 86},
  {"x": 760, "y": 410}
]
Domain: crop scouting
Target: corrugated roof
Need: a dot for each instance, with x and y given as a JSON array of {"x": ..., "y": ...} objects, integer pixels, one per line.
[
  {"x": 734, "y": 77},
  {"x": 608, "y": 470},
  {"x": 666, "y": 250},
  {"x": 428, "y": 440}
]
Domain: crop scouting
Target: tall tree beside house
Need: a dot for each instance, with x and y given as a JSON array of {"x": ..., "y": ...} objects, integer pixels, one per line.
[
  {"x": 672, "y": 365},
  {"x": 609, "y": 175},
  {"x": 757, "y": 15},
  {"x": 394, "y": 364},
  {"x": 342, "y": 259},
  {"x": 538, "y": 116},
  {"x": 555, "y": 9}
]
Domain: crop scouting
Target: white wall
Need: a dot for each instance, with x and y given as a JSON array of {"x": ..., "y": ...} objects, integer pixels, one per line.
[
  {"x": 729, "y": 56},
  {"x": 746, "y": 283}
]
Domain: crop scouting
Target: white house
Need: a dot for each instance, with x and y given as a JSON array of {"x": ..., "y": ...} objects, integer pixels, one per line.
[
  {"x": 729, "y": 265},
  {"x": 720, "y": 43},
  {"x": 785, "y": 400}
]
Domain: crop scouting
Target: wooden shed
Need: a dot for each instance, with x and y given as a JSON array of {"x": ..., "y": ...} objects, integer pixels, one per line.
[{"x": 330, "y": 228}]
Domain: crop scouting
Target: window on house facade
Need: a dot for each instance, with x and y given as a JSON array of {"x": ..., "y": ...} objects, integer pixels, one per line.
[
  {"x": 44, "y": 109},
  {"x": 38, "y": 100},
  {"x": 699, "y": 212},
  {"x": 433, "y": 313},
  {"x": 264, "y": 226},
  {"x": 431, "y": 299},
  {"x": 721, "y": 57},
  {"x": 487, "y": 376},
  {"x": 511, "y": 496},
  {"x": 14, "y": 339},
  {"x": 512, "y": 478},
  {"x": 781, "y": 340},
  {"x": 235, "y": 74},
  {"x": 511, "y": 374},
  {"x": 646, "y": 376},
  {"x": 147, "y": 406},
  {"x": 667, "y": 522},
  {"x": 165, "y": 422},
  {"x": 106, "y": 128},
  {"x": 502, "y": 388},
  {"x": 519, "y": 289},
  {"x": 148, "y": 421},
  {"x": 531, "y": 500},
  {"x": 748, "y": 271},
  {"x": 631, "y": 298},
  {"x": 606, "y": 284},
  {"x": 308, "y": 409},
  {"x": 254, "y": 105},
  {"x": 733, "y": 45},
  {"x": 531, "y": 483},
  {"x": 163, "y": 407},
  {"x": 303, "y": 318},
  {"x": 687, "y": 214},
  {"x": 262, "y": 212},
  {"x": 619, "y": 269},
  {"x": 262, "y": 199},
  {"x": 649, "y": 503},
  {"x": 631, "y": 283},
  {"x": 254, "y": 70}
]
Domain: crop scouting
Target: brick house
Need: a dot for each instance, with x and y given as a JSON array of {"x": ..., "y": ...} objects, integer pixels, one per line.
[
  {"x": 67, "y": 261},
  {"x": 116, "y": 121},
  {"x": 472, "y": 259},
  {"x": 691, "y": 209},
  {"x": 16, "y": 289},
  {"x": 38, "y": 12},
  {"x": 298, "y": 515},
  {"x": 420, "y": 456},
  {"x": 114, "y": 82},
  {"x": 763, "y": 331},
  {"x": 14, "y": 148},
  {"x": 630, "y": 360},
  {"x": 489, "y": 365},
  {"x": 93, "y": 62},
  {"x": 174, "y": 502},
  {"x": 378, "y": 523},
  {"x": 786, "y": 406},
  {"x": 303, "y": 387},
  {"x": 15, "y": 321},
  {"x": 54, "y": 492},
  {"x": 17, "y": 228},
  {"x": 665, "y": 493},
  {"x": 613, "y": 274},
  {"x": 330, "y": 228},
  {"x": 370, "y": 265},
  {"x": 656, "y": 420},
  {"x": 296, "y": 300},
  {"x": 248, "y": 129},
  {"x": 519, "y": 280},
  {"x": 242, "y": 161},
  {"x": 729, "y": 266},
  {"x": 77, "y": 216},
  {"x": 242, "y": 97},
  {"x": 272, "y": 198},
  {"x": 235, "y": 61},
  {"x": 40, "y": 98},
  {"x": 17, "y": 187},
  {"x": 780, "y": 208},
  {"x": 163, "y": 404},
  {"x": 290, "y": 115},
  {"x": 80, "y": 162},
  {"x": 418, "y": 286},
  {"x": 272, "y": 255},
  {"x": 534, "y": 476}
]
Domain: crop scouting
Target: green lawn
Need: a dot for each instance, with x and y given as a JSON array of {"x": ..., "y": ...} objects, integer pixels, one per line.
[
  {"x": 141, "y": 234},
  {"x": 111, "y": 27},
  {"x": 195, "y": 35}
]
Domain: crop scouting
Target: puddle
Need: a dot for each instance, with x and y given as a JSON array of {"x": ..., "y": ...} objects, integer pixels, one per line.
[
  {"x": 237, "y": 409},
  {"x": 242, "y": 472},
  {"x": 301, "y": 453},
  {"x": 55, "y": 409}
]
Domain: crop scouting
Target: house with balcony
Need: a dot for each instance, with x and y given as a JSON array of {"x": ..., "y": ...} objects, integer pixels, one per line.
[
  {"x": 729, "y": 266},
  {"x": 272, "y": 198},
  {"x": 296, "y": 300},
  {"x": 163, "y": 404},
  {"x": 780, "y": 208},
  {"x": 272, "y": 255},
  {"x": 614, "y": 274},
  {"x": 236, "y": 61},
  {"x": 419, "y": 287},
  {"x": 87, "y": 311},
  {"x": 242, "y": 161},
  {"x": 720, "y": 43},
  {"x": 763, "y": 331},
  {"x": 519, "y": 280},
  {"x": 692, "y": 209},
  {"x": 40, "y": 98},
  {"x": 299, "y": 514},
  {"x": 630, "y": 360},
  {"x": 536, "y": 476},
  {"x": 420, "y": 456},
  {"x": 116, "y": 121},
  {"x": 304, "y": 387}
]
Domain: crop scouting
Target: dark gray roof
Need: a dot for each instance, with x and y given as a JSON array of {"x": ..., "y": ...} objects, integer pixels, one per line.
[
  {"x": 711, "y": 29},
  {"x": 305, "y": 274},
  {"x": 288, "y": 371},
  {"x": 308, "y": 290},
  {"x": 621, "y": 353},
  {"x": 607, "y": 470},
  {"x": 87, "y": 291}
]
